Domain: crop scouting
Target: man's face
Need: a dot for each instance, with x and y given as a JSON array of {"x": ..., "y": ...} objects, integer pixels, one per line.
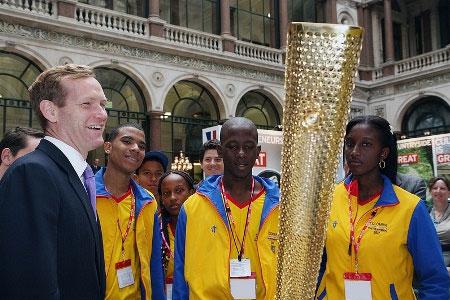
[
  {"x": 127, "y": 150},
  {"x": 32, "y": 143},
  {"x": 239, "y": 150},
  {"x": 212, "y": 163},
  {"x": 149, "y": 174},
  {"x": 81, "y": 120}
]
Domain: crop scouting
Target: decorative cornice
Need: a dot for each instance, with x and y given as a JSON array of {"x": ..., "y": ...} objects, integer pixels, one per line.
[
  {"x": 91, "y": 44},
  {"x": 422, "y": 83}
]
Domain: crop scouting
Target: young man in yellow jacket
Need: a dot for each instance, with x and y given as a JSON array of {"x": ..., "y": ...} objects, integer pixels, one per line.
[
  {"x": 229, "y": 227},
  {"x": 128, "y": 218}
]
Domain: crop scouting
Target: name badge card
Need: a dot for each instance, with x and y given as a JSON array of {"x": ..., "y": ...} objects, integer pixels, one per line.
[
  {"x": 124, "y": 273},
  {"x": 240, "y": 268},
  {"x": 357, "y": 286}
]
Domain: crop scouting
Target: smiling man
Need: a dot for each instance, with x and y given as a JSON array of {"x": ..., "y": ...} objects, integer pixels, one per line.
[
  {"x": 127, "y": 213},
  {"x": 51, "y": 245},
  {"x": 229, "y": 227}
]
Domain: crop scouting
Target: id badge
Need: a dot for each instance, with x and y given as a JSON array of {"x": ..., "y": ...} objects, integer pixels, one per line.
[
  {"x": 358, "y": 286},
  {"x": 240, "y": 268},
  {"x": 124, "y": 273}
]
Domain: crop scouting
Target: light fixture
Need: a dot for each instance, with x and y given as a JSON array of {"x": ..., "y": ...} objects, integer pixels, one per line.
[
  {"x": 426, "y": 132},
  {"x": 181, "y": 163},
  {"x": 165, "y": 115}
]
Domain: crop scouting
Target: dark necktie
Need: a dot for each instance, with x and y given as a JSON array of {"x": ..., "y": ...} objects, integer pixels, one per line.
[{"x": 89, "y": 184}]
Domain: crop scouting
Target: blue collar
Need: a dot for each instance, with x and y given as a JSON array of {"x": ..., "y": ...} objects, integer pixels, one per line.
[
  {"x": 210, "y": 188},
  {"x": 387, "y": 197}
]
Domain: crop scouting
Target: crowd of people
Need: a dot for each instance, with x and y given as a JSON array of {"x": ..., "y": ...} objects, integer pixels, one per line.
[{"x": 136, "y": 230}]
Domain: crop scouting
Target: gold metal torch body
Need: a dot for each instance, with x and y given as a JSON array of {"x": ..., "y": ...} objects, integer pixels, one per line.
[{"x": 321, "y": 64}]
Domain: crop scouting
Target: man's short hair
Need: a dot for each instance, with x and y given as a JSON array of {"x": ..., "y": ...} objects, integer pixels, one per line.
[
  {"x": 210, "y": 145},
  {"x": 16, "y": 139},
  {"x": 47, "y": 86},
  {"x": 115, "y": 131}
]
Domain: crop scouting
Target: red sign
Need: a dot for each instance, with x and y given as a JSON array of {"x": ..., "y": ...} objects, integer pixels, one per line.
[
  {"x": 261, "y": 160},
  {"x": 443, "y": 158},
  {"x": 408, "y": 158}
]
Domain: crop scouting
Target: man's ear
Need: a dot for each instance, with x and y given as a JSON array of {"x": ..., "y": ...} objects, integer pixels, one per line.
[
  {"x": 49, "y": 110},
  {"x": 7, "y": 157}
]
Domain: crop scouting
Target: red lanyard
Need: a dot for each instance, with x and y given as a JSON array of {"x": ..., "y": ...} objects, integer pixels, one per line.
[
  {"x": 352, "y": 241},
  {"x": 234, "y": 232},
  {"x": 130, "y": 222}
]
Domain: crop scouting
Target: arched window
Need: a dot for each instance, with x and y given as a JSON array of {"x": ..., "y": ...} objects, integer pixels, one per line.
[
  {"x": 202, "y": 15},
  {"x": 430, "y": 115},
  {"x": 17, "y": 73},
  {"x": 257, "y": 107},
  {"x": 132, "y": 7},
  {"x": 189, "y": 107},
  {"x": 254, "y": 21},
  {"x": 126, "y": 102}
]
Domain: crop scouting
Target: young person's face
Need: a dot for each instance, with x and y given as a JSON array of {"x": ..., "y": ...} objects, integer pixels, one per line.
[
  {"x": 363, "y": 150},
  {"x": 212, "y": 163},
  {"x": 174, "y": 191},
  {"x": 127, "y": 150},
  {"x": 239, "y": 151},
  {"x": 149, "y": 174}
]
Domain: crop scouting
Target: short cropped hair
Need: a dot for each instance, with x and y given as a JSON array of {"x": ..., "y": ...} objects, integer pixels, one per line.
[
  {"x": 16, "y": 139},
  {"x": 115, "y": 131},
  {"x": 47, "y": 86},
  {"x": 436, "y": 179},
  {"x": 211, "y": 145}
]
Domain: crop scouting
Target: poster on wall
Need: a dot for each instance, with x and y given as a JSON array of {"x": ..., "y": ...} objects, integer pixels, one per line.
[
  {"x": 441, "y": 146},
  {"x": 268, "y": 163},
  {"x": 415, "y": 157}
]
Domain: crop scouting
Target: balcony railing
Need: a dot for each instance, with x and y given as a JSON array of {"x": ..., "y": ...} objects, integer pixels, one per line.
[
  {"x": 193, "y": 38},
  {"x": 110, "y": 20},
  {"x": 423, "y": 61},
  {"x": 258, "y": 52},
  {"x": 37, "y": 7}
]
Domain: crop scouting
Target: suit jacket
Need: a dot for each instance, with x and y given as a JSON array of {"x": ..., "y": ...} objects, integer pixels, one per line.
[
  {"x": 412, "y": 184},
  {"x": 50, "y": 242}
]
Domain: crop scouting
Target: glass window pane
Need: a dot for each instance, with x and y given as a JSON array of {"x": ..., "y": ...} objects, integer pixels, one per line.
[
  {"x": 164, "y": 10},
  {"x": 257, "y": 29},
  {"x": 195, "y": 14},
  {"x": 257, "y": 6},
  {"x": 269, "y": 9},
  {"x": 258, "y": 108},
  {"x": 208, "y": 16},
  {"x": 269, "y": 32},
  {"x": 234, "y": 22},
  {"x": 244, "y": 4},
  {"x": 244, "y": 26}
]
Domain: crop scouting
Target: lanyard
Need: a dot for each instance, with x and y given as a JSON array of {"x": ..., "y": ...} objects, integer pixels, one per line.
[
  {"x": 166, "y": 243},
  {"x": 234, "y": 232},
  {"x": 356, "y": 243},
  {"x": 130, "y": 222}
]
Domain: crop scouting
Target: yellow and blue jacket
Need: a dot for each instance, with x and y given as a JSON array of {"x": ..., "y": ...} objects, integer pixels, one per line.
[
  {"x": 148, "y": 239},
  {"x": 203, "y": 243},
  {"x": 399, "y": 241}
]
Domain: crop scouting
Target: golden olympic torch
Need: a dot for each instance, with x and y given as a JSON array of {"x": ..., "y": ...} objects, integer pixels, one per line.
[{"x": 321, "y": 64}]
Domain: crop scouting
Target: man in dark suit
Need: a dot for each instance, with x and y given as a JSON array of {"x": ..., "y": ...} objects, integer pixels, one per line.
[
  {"x": 50, "y": 242},
  {"x": 412, "y": 184}
]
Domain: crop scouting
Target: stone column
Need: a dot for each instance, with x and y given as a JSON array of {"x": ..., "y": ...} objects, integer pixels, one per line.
[
  {"x": 228, "y": 41},
  {"x": 365, "y": 21},
  {"x": 388, "y": 68},
  {"x": 283, "y": 23},
  {"x": 155, "y": 24},
  {"x": 66, "y": 8},
  {"x": 332, "y": 11},
  {"x": 155, "y": 129}
]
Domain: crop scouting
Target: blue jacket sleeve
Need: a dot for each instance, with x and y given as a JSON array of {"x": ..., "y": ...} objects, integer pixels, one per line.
[
  {"x": 180, "y": 287},
  {"x": 423, "y": 244},
  {"x": 156, "y": 267}
]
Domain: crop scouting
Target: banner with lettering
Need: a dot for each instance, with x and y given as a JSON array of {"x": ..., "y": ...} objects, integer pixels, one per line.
[
  {"x": 415, "y": 157},
  {"x": 441, "y": 146}
]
